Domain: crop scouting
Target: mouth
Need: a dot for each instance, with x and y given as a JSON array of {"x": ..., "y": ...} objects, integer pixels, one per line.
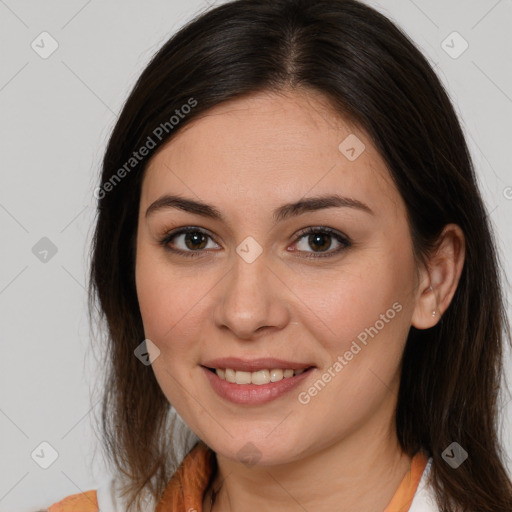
[{"x": 254, "y": 383}]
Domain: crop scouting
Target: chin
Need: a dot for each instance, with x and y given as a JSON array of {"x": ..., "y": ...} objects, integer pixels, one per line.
[{"x": 257, "y": 449}]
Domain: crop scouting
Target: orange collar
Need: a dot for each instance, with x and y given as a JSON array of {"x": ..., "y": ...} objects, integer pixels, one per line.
[
  {"x": 404, "y": 495},
  {"x": 188, "y": 484}
]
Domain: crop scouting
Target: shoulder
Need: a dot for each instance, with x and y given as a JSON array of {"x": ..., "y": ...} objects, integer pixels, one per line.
[
  {"x": 107, "y": 498},
  {"x": 81, "y": 502}
]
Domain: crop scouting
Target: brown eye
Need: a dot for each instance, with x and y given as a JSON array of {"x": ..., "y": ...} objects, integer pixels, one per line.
[
  {"x": 188, "y": 241},
  {"x": 195, "y": 240},
  {"x": 321, "y": 240}
]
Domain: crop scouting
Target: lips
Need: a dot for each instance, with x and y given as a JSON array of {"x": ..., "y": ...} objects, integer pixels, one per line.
[{"x": 249, "y": 393}]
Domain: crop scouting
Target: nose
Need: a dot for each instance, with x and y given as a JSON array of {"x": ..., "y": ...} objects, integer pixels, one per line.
[{"x": 252, "y": 299}]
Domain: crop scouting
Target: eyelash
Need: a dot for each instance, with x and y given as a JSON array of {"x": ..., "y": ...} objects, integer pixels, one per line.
[{"x": 307, "y": 231}]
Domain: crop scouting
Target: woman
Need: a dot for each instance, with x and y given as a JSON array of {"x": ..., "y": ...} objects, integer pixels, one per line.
[{"x": 291, "y": 251}]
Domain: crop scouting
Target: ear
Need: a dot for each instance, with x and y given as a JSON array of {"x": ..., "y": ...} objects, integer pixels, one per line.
[{"x": 439, "y": 278}]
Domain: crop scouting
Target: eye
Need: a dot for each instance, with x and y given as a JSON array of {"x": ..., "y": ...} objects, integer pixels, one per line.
[
  {"x": 190, "y": 241},
  {"x": 321, "y": 238}
]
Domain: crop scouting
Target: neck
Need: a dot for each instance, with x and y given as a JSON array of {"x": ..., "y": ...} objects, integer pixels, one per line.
[{"x": 360, "y": 472}]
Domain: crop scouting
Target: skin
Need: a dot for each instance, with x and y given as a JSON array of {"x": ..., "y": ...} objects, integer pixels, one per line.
[{"x": 247, "y": 157}]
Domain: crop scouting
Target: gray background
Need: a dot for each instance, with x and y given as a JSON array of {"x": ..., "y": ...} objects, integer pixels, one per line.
[{"x": 56, "y": 114}]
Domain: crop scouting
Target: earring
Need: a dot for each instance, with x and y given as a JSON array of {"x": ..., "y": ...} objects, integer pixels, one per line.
[{"x": 432, "y": 290}]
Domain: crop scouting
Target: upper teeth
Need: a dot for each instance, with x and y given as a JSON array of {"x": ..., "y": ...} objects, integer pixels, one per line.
[{"x": 259, "y": 377}]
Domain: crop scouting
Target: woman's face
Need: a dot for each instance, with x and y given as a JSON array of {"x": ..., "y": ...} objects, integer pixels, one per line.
[{"x": 249, "y": 285}]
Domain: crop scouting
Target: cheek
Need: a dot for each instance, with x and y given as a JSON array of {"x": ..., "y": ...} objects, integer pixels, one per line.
[
  {"x": 162, "y": 301},
  {"x": 172, "y": 303},
  {"x": 361, "y": 318},
  {"x": 170, "y": 320},
  {"x": 354, "y": 298},
  {"x": 367, "y": 301}
]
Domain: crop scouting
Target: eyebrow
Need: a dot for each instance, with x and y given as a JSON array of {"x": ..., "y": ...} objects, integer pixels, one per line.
[{"x": 284, "y": 212}]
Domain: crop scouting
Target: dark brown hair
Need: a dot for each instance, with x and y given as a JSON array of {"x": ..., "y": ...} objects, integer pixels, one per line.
[{"x": 375, "y": 76}]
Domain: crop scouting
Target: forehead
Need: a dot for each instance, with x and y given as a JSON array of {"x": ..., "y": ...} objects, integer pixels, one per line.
[{"x": 266, "y": 149}]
